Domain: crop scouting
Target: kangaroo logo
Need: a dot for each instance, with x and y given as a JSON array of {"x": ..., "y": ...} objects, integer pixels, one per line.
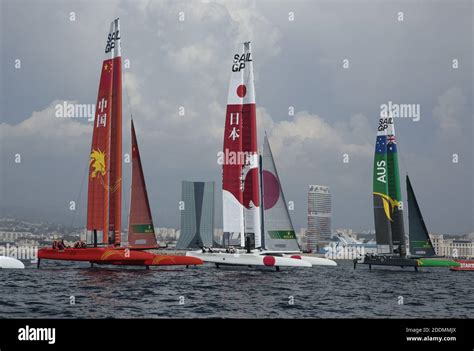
[{"x": 388, "y": 205}]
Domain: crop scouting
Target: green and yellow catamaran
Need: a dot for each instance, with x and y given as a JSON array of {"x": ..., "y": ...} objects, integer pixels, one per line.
[{"x": 388, "y": 212}]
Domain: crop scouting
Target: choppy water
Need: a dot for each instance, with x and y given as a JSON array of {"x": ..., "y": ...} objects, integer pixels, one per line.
[{"x": 319, "y": 292}]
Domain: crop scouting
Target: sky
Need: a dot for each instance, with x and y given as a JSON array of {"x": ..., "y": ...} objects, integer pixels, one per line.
[{"x": 180, "y": 54}]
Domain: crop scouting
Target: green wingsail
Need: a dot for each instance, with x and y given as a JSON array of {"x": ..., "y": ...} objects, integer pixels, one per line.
[{"x": 388, "y": 205}]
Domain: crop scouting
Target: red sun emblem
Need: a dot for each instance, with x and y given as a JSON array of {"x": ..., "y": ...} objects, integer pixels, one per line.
[
  {"x": 269, "y": 261},
  {"x": 271, "y": 190},
  {"x": 241, "y": 90}
]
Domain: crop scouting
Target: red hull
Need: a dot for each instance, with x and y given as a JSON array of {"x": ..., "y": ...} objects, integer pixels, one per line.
[
  {"x": 466, "y": 265},
  {"x": 117, "y": 256}
]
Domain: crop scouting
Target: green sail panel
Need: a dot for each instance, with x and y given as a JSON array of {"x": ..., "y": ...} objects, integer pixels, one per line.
[
  {"x": 143, "y": 228},
  {"x": 383, "y": 229},
  {"x": 388, "y": 205},
  {"x": 420, "y": 242},
  {"x": 282, "y": 234},
  {"x": 394, "y": 191}
]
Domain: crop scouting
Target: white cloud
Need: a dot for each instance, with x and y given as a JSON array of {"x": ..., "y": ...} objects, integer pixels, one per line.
[
  {"x": 313, "y": 142},
  {"x": 44, "y": 133},
  {"x": 450, "y": 112},
  {"x": 187, "y": 64}
]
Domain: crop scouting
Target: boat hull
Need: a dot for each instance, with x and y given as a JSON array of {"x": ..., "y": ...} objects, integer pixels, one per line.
[
  {"x": 116, "y": 256},
  {"x": 247, "y": 259},
  {"x": 390, "y": 261},
  {"x": 464, "y": 265},
  {"x": 10, "y": 263},
  {"x": 315, "y": 261},
  {"x": 407, "y": 262},
  {"x": 436, "y": 262}
]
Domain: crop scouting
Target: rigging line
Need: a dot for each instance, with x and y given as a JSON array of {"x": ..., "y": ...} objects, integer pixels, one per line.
[
  {"x": 128, "y": 97},
  {"x": 402, "y": 161},
  {"x": 400, "y": 155},
  {"x": 259, "y": 115},
  {"x": 80, "y": 191},
  {"x": 129, "y": 104}
]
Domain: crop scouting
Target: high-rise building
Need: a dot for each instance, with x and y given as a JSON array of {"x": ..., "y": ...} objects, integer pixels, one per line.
[
  {"x": 197, "y": 215},
  {"x": 319, "y": 217}
]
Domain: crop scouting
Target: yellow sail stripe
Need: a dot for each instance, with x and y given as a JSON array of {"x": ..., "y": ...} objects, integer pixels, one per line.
[{"x": 388, "y": 204}]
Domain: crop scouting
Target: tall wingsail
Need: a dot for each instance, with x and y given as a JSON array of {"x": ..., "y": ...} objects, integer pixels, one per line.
[
  {"x": 240, "y": 182},
  {"x": 105, "y": 165},
  {"x": 141, "y": 233},
  {"x": 382, "y": 203},
  {"x": 395, "y": 194},
  {"x": 279, "y": 232},
  {"x": 420, "y": 242},
  {"x": 388, "y": 205}
]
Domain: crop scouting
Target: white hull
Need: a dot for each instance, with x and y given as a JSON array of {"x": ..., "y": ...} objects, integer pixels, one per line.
[
  {"x": 315, "y": 261},
  {"x": 9, "y": 262},
  {"x": 247, "y": 259}
]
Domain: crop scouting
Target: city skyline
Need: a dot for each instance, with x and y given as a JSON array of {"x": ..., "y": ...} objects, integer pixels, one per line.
[{"x": 319, "y": 215}]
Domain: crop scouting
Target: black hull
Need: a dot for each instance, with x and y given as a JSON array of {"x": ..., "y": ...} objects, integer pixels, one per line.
[{"x": 387, "y": 261}]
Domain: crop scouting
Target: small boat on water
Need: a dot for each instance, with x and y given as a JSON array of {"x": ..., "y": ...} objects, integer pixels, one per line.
[
  {"x": 10, "y": 263},
  {"x": 464, "y": 265},
  {"x": 105, "y": 185}
]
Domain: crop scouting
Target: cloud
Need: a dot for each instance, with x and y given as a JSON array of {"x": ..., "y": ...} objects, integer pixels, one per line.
[
  {"x": 450, "y": 113},
  {"x": 45, "y": 134},
  {"x": 314, "y": 142},
  {"x": 186, "y": 64}
]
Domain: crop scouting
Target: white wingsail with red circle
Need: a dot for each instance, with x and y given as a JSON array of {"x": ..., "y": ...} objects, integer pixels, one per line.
[
  {"x": 240, "y": 185},
  {"x": 241, "y": 195}
]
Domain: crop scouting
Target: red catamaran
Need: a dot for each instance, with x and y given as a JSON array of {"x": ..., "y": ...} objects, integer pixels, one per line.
[
  {"x": 105, "y": 184},
  {"x": 464, "y": 265}
]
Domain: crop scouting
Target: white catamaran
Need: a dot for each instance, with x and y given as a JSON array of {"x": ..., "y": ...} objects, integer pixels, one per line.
[{"x": 257, "y": 226}]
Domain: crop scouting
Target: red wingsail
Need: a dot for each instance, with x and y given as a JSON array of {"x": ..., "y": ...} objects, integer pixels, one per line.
[
  {"x": 105, "y": 165},
  {"x": 141, "y": 233},
  {"x": 115, "y": 207}
]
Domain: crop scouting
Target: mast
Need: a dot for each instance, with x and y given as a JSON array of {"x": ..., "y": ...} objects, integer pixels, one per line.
[
  {"x": 240, "y": 180},
  {"x": 394, "y": 191},
  {"x": 383, "y": 231},
  {"x": 262, "y": 203},
  {"x": 115, "y": 217},
  {"x": 105, "y": 165},
  {"x": 388, "y": 205}
]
